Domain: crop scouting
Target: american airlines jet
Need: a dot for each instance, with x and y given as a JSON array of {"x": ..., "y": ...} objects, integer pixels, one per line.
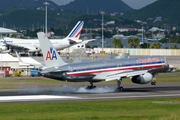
[
  {"x": 141, "y": 70},
  {"x": 32, "y": 45}
]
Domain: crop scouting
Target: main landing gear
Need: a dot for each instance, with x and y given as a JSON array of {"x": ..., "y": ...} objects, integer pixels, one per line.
[
  {"x": 91, "y": 86},
  {"x": 119, "y": 88},
  {"x": 153, "y": 81}
]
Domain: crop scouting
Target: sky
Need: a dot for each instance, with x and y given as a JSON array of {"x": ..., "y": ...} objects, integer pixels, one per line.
[{"x": 136, "y": 4}]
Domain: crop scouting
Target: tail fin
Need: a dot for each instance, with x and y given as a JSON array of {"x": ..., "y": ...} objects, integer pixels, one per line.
[
  {"x": 75, "y": 33},
  {"x": 50, "y": 55}
]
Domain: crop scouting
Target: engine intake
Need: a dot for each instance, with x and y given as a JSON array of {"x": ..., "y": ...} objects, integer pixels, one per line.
[{"x": 142, "y": 79}]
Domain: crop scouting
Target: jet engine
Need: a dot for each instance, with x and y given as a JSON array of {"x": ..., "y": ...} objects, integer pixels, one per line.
[
  {"x": 3, "y": 48},
  {"x": 142, "y": 79}
]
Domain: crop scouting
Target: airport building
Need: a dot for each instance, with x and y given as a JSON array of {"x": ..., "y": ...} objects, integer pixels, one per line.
[
  {"x": 4, "y": 32},
  {"x": 8, "y": 63}
]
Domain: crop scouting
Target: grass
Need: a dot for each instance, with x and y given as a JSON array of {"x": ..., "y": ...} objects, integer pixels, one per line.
[{"x": 149, "y": 109}]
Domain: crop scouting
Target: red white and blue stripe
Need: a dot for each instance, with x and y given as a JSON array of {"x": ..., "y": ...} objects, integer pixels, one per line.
[
  {"x": 119, "y": 68},
  {"x": 77, "y": 30}
]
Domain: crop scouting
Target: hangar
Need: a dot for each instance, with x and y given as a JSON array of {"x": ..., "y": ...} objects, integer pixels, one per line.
[
  {"x": 4, "y": 32},
  {"x": 8, "y": 61}
]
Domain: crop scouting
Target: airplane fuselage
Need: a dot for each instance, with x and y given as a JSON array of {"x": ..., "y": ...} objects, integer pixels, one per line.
[
  {"x": 79, "y": 72},
  {"x": 32, "y": 45}
]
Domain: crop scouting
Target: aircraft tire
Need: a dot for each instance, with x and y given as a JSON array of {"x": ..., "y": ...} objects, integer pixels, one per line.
[
  {"x": 153, "y": 83},
  {"x": 120, "y": 89},
  {"x": 90, "y": 87}
]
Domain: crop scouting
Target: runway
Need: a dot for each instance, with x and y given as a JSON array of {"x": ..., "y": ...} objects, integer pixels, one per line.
[{"x": 103, "y": 92}]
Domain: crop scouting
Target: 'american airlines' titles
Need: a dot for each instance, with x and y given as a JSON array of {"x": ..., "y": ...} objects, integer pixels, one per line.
[{"x": 149, "y": 60}]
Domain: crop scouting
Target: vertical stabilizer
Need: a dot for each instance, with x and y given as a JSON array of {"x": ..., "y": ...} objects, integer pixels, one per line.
[
  {"x": 50, "y": 55},
  {"x": 75, "y": 33}
]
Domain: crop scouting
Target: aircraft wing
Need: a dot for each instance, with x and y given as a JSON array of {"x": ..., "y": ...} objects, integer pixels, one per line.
[
  {"x": 86, "y": 41},
  {"x": 16, "y": 47},
  {"x": 108, "y": 76}
]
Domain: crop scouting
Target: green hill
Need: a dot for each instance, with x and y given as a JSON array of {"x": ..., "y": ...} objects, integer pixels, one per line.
[
  {"x": 169, "y": 10},
  {"x": 94, "y": 21},
  {"x": 96, "y": 6},
  {"x": 27, "y": 18},
  {"x": 4, "y": 4}
]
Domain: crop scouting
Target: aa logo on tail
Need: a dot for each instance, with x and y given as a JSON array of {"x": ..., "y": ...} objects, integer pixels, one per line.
[{"x": 51, "y": 54}]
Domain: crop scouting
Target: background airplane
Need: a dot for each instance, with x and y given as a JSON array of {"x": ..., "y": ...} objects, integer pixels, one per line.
[
  {"x": 32, "y": 45},
  {"x": 141, "y": 70}
]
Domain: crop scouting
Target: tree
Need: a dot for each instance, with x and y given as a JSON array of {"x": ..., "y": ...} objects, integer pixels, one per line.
[
  {"x": 108, "y": 46},
  {"x": 156, "y": 46},
  {"x": 13, "y": 36},
  {"x": 136, "y": 42},
  {"x": 133, "y": 42},
  {"x": 117, "y": 43},
  {"x": 145, "y": 45},
  {"x": 95, "y": 46},
  {"x": 174, "y": 47},
  {"x": 87, "y": 46}
]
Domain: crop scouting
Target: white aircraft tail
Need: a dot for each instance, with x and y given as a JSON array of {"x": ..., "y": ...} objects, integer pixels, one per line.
[
  {"x": 75, "y": 33},
  {"x": 50, "y": 55}
]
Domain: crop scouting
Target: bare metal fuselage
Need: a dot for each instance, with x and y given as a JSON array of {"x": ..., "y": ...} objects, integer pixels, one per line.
[{"x": 79, "y": 72}]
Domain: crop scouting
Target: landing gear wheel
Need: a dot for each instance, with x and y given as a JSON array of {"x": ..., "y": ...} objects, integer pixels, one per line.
[
  {"x": 153, "y": 83},
  {"x": 90, "y": 87},
  {"x": 120, "y": 88}
]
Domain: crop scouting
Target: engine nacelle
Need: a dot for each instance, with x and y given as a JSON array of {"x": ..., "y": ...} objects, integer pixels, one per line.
[
  {"x": 3, "y": 48},
  {"x": 142, "y": 79}
]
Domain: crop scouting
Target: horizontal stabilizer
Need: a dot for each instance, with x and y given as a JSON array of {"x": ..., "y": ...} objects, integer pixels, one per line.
[{"x": 20, "y": 60}]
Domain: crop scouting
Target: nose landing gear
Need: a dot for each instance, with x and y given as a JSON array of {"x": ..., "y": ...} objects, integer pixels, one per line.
[{"x": 153, "y": 81}]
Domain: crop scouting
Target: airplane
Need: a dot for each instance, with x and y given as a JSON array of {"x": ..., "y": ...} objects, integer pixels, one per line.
[
  {"x": 32, "y": 45},
  {"x": 141, "y": 70},
  {"x": 4, "y": 49}
]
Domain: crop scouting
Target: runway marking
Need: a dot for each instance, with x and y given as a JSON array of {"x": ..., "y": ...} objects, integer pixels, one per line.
[
  {"x": 146, "y": 96},
  {"x": 33, "y": 97},
  {"x": 56, "y": 97}
]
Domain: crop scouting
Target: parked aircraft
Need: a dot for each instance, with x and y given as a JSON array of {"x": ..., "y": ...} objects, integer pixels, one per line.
[
  {"x": 32, "y": 45},
  {"x": 141, "y": 70}
]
